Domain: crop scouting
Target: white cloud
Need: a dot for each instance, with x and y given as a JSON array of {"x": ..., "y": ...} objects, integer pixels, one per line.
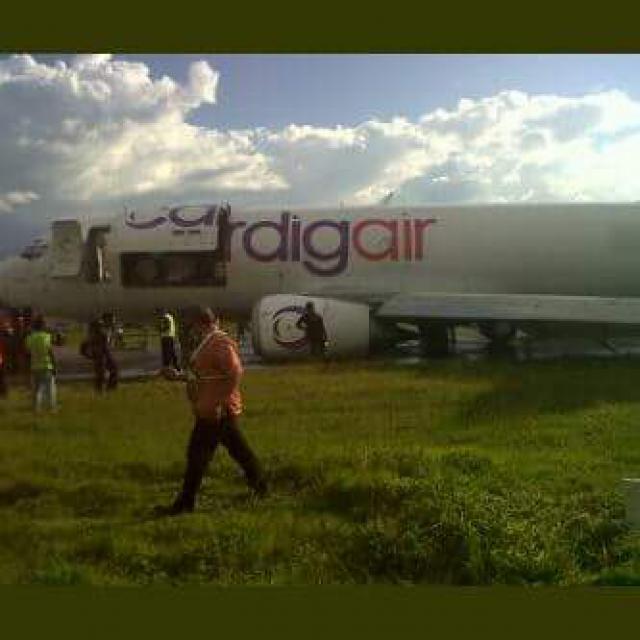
[
  {"x": 99, "y": 129},
  {"x": 203, "y": 83},
  {"x": 94, "y": 133},
  {"x": 9, "y": 201}
]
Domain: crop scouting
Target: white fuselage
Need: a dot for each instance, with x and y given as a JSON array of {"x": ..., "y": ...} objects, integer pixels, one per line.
[{"x": 364, "y": 254}]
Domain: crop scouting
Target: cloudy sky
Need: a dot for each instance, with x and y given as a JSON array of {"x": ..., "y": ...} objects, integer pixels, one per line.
[{"x": 90, "y": 134}]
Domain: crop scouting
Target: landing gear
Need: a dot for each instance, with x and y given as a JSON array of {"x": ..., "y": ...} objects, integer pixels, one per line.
[
  {"x": 500, "y": 336},
  {"x": 436, "y": 339}
]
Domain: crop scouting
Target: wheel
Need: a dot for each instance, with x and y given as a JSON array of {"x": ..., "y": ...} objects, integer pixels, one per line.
[
  {"x": 435, "y": 340},
  {"x": 499, "y": 333}
]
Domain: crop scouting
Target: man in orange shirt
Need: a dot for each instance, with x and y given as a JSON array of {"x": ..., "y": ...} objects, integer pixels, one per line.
[{"x": 213, "y": 379}]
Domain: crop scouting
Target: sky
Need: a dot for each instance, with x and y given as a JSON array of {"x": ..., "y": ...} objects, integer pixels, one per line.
[{"x": 90, "y": 134}]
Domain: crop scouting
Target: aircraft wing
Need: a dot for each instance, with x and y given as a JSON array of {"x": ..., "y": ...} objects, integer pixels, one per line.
[{"x": 516, "y": 308}]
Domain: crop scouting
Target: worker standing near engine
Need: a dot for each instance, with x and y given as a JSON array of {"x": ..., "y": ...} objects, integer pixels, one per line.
[
  {"x": 313, "y": 326},
  {"x": 168, "y": 341}
]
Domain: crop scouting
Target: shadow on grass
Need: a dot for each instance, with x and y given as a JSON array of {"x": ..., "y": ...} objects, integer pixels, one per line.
[
  {"x": 543, "y": 388},
  {"x": 148, "y": 473},
  {"x": 20, "y": 491},
  {"x": 90, "y": 499},
  {"x": 292, "y": 477}
]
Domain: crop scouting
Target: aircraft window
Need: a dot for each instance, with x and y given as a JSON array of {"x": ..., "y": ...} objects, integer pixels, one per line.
[
  {"x": 173, "y": 269},
  {"x": 180, "y": 269},
  {"x": 146, "y": 271}
]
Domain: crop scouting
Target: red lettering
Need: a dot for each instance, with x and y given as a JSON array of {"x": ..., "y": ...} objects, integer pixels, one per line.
[
  {"x": 419, "y": 227},
  {"x": 408, "y": 240},
  {"x": 390, "y": 252}
]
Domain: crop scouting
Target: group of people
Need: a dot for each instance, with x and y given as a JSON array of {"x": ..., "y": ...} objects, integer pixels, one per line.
[
  {"x": 22, "y": 350},
  {"x": 212, "y": 373},
  {"x": 15, "y": 325},
  {"x": 29, "y": 346}
]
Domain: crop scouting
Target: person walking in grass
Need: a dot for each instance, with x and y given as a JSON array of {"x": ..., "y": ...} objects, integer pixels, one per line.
[
  {"x": 43, "y": 365},
  {"x": 97, "y": 349},
  {"x": 213, "y": 378}
]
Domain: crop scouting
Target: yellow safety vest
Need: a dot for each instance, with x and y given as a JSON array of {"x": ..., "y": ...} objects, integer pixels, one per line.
[{"x": 168, "y": 326}]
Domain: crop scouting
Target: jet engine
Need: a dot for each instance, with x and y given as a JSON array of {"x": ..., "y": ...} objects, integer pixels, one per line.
[{"x": 351, "y": 332}]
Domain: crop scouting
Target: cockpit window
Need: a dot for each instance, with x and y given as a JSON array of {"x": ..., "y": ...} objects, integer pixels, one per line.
[{"x": 35, "y": 250}]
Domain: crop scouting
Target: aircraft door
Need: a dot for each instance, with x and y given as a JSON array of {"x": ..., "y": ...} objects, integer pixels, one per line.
[
  {"x": 223, "y": 242},
  {"x": 95, "y": 259},
  {"x": 66, "y": 249}
]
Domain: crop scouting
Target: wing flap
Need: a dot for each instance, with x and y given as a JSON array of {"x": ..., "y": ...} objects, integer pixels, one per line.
[{"x": 472, "y": 307}]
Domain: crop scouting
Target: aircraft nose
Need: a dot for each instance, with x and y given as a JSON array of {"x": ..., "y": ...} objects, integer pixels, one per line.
[
  {"x": 5, "y": 293},
  {"x": 4, "y": 285}
]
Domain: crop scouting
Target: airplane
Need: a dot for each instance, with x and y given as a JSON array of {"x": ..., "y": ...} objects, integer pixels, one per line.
[{"x": 372, "y": 272}]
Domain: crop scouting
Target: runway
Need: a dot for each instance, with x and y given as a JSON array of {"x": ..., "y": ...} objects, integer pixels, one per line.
[
  {"x": 143, "y": 363},
  {"x": 132, "y": 363}
]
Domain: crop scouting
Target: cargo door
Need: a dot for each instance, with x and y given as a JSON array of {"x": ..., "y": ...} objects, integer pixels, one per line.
[{"x": 66, "y": 249}]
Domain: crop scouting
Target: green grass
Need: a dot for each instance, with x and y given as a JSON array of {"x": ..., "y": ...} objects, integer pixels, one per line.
[{"x": 449, "y": 473}]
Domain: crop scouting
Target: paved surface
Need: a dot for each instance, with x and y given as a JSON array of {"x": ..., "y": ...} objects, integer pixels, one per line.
[
  {"x": 132, "y": 363},
  {"x": 140, "y": 363}
]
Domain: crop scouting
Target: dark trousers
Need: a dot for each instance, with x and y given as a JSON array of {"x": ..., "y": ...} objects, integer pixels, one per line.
[
  {"x": 318, "y": 349},
  {"x": 205, "y": 437},
  {"x": 3, "y": 382},
  {"x": 104, "y": 367},
  {"x": 169, "y": 355}
]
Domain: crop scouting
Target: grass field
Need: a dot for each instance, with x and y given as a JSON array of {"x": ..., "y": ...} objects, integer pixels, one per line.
[{"x": 449, "y": 472}]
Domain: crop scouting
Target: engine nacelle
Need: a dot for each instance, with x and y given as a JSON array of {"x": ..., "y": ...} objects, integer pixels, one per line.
[{"x": 276, "y": 337}]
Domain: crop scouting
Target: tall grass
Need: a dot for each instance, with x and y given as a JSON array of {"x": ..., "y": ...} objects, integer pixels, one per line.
[{"x": 449, "y": 472}]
